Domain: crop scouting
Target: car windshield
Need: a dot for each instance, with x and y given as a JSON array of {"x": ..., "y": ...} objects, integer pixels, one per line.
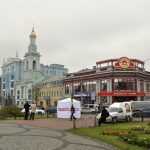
[{"x": 114, "y": 109}]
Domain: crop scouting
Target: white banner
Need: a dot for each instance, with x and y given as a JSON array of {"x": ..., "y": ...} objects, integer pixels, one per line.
[{"x": 64, "y": 108}]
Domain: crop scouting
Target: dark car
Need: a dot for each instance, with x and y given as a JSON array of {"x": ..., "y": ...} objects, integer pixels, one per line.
[
  {"x": 141, "y": 108},
  {"x": 146, "y": 112},
  {"x": 142, "y": 113},
  {"x": 52, "y": 110}
]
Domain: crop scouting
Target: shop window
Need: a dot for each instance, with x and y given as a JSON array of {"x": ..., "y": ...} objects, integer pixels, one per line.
[
  {"x": 141, "y": 85},
  {"x": 124, "y": 84},
  {"x": 148, "y": 87},
  {"x": 104, "y": 85}
]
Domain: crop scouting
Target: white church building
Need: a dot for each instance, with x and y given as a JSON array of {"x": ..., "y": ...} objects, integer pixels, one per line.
[{"x": 26, "y": 73}]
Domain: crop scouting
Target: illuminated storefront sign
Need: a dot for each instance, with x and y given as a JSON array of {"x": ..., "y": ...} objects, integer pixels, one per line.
[{"x": 124, "y": 63}]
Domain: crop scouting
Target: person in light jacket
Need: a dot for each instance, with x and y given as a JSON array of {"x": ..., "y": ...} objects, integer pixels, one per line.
[{"x": 33, "y": 110}]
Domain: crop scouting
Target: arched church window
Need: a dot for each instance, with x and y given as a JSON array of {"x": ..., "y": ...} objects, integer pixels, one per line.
[
  {"x": 27, "y": 65},
  {"x": 34, "y": 65}
]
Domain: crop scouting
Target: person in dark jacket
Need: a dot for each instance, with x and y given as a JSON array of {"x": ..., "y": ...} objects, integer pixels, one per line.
[
  {"x": 104, "y": 115},
  {"x": 26, "y": 107},
  {"x": 72, "y": 112},
  {"x": 99, "y": 108}
]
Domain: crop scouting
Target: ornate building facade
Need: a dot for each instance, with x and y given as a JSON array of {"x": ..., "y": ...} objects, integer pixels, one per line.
[{"x": 112, "y": 80}]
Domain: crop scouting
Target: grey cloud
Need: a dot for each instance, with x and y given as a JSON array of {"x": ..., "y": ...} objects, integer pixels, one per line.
[{"x": 76, "y": 33}]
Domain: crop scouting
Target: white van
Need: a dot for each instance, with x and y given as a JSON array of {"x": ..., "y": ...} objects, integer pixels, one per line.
[
  {"x": 89, "y": 108},
  {"x": 119, "y": 111}
]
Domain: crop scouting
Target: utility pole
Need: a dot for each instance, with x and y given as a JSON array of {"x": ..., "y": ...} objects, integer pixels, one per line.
[{"x": 73, "y": 118}]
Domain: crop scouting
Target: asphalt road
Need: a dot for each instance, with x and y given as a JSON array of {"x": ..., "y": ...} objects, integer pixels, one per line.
[{"x": 23, "y": 137}]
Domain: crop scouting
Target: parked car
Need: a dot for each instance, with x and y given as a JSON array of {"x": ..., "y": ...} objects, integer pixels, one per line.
[
  {"x": 89, "y": 108},
  {"x": 52, "y": 110},
  {"x": 38, "y": 111},
  {"x": 85, "y": 110},
  {"x": 145, "y": 112},
  {"x": 118, "y": 112},
  {"x": 141, "y": 108}
]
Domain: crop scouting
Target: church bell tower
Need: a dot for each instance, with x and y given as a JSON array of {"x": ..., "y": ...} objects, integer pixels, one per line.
[{"x": 32, "y": 57}]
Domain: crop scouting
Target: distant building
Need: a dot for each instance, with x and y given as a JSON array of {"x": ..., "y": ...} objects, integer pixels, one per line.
[
  {"x": 1, "y": 99},
  {"x": 54, "y": 70},
  {"x": 12, "y": 72},
  {"x": 19, "y": 75},
  {"x": 48, "y": 92}
]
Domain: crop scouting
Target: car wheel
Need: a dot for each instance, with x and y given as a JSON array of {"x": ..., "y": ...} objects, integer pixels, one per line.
[
  {"x": 39, "y": 113},
  {"x": 114, "y": 120},
  {"x": 127, "y": 118}
]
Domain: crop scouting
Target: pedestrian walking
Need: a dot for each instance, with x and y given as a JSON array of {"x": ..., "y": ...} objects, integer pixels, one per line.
[
  {"x": 104, "y": 115},
  {"x": 26, "y": 107},
  {"x": 72, "y": 112},
  {"x": 33, "y": 110}
]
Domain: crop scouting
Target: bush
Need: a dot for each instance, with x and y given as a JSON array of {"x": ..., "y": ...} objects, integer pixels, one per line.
[{"x": 10, "y": 111}]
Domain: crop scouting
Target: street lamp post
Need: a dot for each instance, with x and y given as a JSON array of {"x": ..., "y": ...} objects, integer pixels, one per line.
[{"x": 73, "y": 118}]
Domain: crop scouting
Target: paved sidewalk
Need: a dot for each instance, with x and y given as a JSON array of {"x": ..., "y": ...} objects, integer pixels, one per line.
[
  {"x": 22, "y": 137},
  {"x": 60, "y": 124}
]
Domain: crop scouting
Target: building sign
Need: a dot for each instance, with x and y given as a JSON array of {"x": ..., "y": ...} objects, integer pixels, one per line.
[
  {"x": 124, "y": 63},
  {"x": 121, "y": 93}
]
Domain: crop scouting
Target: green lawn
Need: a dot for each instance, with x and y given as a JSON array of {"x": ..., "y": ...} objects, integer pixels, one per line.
[{"x": 109, "y": 134}]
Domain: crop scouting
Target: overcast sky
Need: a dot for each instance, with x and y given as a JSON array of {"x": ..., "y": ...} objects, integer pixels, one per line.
[{"x": 76, "y": 33}]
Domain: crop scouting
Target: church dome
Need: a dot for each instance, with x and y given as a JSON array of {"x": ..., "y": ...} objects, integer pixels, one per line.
[{"x": 33, "y": 34}]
